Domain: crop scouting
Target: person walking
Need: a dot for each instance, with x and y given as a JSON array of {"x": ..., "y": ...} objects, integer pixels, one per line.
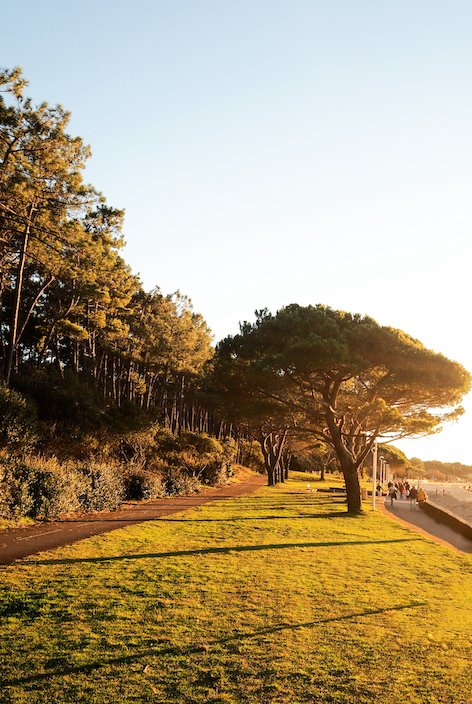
[
  {"x": 413, "y": 495},
  {"x": 422, "y": 496},
  {"x": 392, "y": 492}
]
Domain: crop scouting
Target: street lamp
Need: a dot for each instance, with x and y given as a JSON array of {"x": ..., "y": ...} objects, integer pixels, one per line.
[
  {"x": 382, "y": 470},
  {"x": 374, "y": 474}
]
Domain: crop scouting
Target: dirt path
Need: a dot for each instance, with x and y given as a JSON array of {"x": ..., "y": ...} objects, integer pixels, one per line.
[
  {"x": 418, "y": 521},
  {"x": 20, "y": 542}
]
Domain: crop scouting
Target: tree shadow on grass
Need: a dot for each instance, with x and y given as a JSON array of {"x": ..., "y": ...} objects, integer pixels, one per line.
[
  {"x": 326, "y": 514},
  {"x": 289, "y": 506},
  {"x": 146, "y": 508},
  {"x": 201, "y": 649},
  {"x": 220, "y": 551},
  {"x": 314, "y": 493},
  {"x": 162, "y": 517}
]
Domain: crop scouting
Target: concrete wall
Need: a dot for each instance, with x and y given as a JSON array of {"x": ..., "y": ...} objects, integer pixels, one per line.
[{"x": 442, "y": 515}]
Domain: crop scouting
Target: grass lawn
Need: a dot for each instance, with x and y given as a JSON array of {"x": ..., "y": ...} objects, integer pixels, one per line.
[
  {"x": 273, "y": 598},
  {"x": 17, "y": 523}
]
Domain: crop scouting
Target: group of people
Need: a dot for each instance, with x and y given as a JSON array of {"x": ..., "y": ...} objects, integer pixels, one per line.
[{"x": 403, "y": 490}]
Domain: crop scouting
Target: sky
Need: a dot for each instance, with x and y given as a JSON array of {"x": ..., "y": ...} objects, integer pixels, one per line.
[{"x": 270, "y": 152}]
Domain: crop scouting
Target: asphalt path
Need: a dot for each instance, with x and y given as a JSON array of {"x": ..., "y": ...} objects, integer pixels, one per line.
[
  {"x": 20, "y": 542},
  {"x": 418, "y": 521}
]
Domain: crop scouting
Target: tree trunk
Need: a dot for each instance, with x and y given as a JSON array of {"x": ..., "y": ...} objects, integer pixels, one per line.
[
  {"x": 277, "y": 451},
  {"x": 272, "y": 446},
  {"x": 17, "y": 296},
  {"x": 346, "y": 460},
  {"x": 57, "y": 358},
  {"x": 353, "y": 490},
  {"x": 114, "y": 381},
  {"x": 265, "y": 451},
  {"x": 32, "y": 307},
  {"x": 287, "y": 464},
  {"x": 150, "y": 389}
]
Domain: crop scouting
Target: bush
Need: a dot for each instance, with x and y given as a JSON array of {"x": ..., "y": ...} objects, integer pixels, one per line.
[
  {"x": 15, "y": 498},
  {"x": 177, "y": 483},
  {"x": 43, "y": 488},
  {"x": 140, "y": 485},
  {"x": 70, "y": 486},
  {"x": 141, "y": 465},
  {"x": 167, "y": 442},
  {"x": 104, "y": 486},
  {"x": 137, "y": 448},
  {"x": 196, "y": 455},
  {"x": 250, "y": 455},
  {"x": 18, "y": 420},
  {"x": 24, "y": 490}
]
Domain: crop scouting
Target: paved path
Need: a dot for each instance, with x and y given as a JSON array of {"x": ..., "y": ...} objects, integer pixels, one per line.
[
  {"x": 20, "y": 542},
  {"x": 421, "y": 523}
]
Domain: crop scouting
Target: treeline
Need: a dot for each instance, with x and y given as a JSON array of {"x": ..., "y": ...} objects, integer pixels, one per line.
[
  {"x": 70, "y": 307},
  {"x": 447, "y": 470},
  {"x": 80, "y": 335}
]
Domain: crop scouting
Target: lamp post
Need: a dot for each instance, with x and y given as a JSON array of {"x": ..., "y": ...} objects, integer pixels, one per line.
[
  {"x": 382, "y": 470},
  {"x": 374, "y": 474}
]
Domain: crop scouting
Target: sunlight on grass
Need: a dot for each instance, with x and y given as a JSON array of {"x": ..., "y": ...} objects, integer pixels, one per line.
[
  {"x": 22, "y": 522},
  {"x": 273, "y": 597}
]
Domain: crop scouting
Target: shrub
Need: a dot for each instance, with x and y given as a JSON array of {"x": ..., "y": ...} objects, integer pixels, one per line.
[
  {"x": 43, "y": 488},
  {"x": 230, "y": 449},
  {"x": 177, "y": 483},
  {"x": 18, "y": 419},
  {"x": 140, "y": 485},
  {"x": 71, "y": 486},
  {"x": 137, "y": 448},
  {"x": 250, "y": 455},
  {"x": 24, "y": 490},
  {"x": 153, "y": 463},
  {"x": 196, "y": 455},
  {"x": 15, "y": 499},
  {"x": 104, "y": 486},
  {"x": 166, "y": 441}
]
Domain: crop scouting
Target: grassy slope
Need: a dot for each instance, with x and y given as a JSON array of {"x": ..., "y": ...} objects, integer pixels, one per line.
[{"x": 275, "y": 597}]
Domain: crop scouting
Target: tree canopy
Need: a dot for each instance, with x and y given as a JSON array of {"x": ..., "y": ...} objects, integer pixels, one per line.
[
  {"x": 68, "y": 299},
  {"x": 71, "y": 306},
  {"x": 345, "y": 378}
]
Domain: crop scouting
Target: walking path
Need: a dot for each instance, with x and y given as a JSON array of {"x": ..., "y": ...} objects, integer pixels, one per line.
[
  {"x": 417, "y": 520},
  {"x": 20, "y": 542}
]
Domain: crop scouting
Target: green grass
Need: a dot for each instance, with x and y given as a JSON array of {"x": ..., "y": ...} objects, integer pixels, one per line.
[
  {"x": 273, "y": 598},
  {"x": 22, "y": 522}
]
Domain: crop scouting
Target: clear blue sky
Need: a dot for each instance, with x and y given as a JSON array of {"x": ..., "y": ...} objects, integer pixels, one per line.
[{"x": 271, "y": 152}]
